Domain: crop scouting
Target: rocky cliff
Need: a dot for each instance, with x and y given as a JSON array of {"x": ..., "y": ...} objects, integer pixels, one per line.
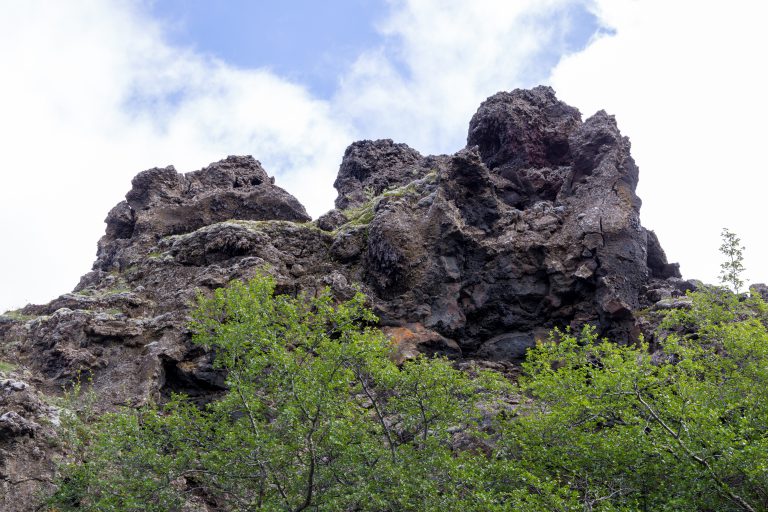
[{"x": 534, "y": 225}]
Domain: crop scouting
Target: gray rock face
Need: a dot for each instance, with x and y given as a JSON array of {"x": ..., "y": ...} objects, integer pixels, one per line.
[
  {"x": 523, "y": 129},
  {"x": 534, "y": 225},
  {"x": 163, "y": 202}
]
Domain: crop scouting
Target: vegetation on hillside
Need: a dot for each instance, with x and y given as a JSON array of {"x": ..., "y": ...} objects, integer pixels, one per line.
[{"x": 318, "y": 417}]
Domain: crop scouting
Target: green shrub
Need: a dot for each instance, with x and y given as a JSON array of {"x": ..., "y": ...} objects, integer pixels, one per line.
[
  {"x": 684, "y": 429},
  {"x": 317, "y": 416}
]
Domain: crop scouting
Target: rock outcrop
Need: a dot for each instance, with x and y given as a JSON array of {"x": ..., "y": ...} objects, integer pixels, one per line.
[
  {"x": 163, "y": 202},
  {"x": 534, "y": 225}
]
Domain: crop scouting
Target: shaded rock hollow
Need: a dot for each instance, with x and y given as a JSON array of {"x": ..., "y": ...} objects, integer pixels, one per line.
[{"x": 533, "y": 225}]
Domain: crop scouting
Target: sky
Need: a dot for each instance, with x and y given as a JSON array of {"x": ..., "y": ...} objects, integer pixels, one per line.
[{"x": 95, "y": 91}]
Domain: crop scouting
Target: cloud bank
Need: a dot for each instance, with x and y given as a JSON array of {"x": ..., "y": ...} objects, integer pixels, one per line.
[
  {"x": 93, "y": 93},
  {"x": 443, "y": 58},
  {"x": 687, "y": 85}
]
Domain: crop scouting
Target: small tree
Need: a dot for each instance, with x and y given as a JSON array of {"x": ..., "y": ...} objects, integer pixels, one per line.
[{"x": 733, "y": 266}]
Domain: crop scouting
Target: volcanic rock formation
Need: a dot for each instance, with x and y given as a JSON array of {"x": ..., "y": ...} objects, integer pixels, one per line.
[{"x": 534, "y": 225}]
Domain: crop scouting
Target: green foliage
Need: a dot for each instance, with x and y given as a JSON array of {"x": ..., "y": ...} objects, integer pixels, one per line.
[
  {"x": 369, "y": 192},
  {"x": 682, "y": 429},
  {"x": 364, "y": 213},
  {"x": 733, "y": 266},
  {"x": 317, "y": 417},
  {"x": 361, "y": 215},
  {"x": 6, "y": 367},
  {"x": 265, "y": 225}
]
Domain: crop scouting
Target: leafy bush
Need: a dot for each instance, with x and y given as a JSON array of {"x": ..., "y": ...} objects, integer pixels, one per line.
[
  {"x": 685, "y": 428},
  {"x": 318, "y": 417}
]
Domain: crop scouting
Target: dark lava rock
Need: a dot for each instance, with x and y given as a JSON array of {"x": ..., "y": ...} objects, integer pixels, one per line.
[
  {"x": 332, "y": 220},
  {"x": 657, "y": 260},
  {"x": 534, "y": 225},
  {"x": 370, "y": 167},
  {"x": 163, "y": 202},
  {"x": 761, "y": 289},
  {"x": 477, "y": 255},
  {"x": 29, "y": 445},
  {"x": 525, "y": 137}
]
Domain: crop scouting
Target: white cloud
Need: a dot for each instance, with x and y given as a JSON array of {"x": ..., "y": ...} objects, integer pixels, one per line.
[
  {"x": 91, "y": 94},
  {"x": 687, "y": 84},
  {"x": 441, "y": 60}
]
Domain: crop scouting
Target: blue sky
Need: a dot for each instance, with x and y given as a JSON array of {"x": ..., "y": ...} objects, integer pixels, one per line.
[
  {"x": 305, "y": 41},
  {"x": 94, "y": 91},
  {"x": 313, "y": 42}
]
